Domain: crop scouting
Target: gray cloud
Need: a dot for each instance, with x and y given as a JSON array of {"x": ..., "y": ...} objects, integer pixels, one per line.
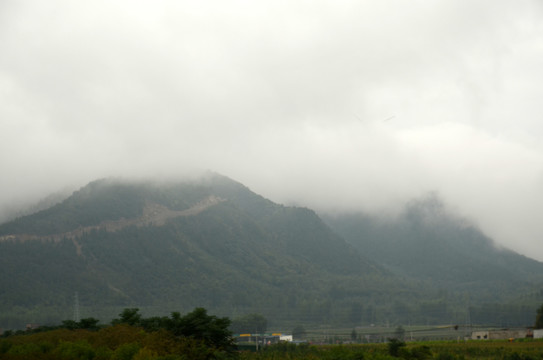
[{"x": 336, "y": 106}]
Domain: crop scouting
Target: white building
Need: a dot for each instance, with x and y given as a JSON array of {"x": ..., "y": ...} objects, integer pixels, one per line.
[
  {"x": 502, "y": 334},
  {"x": 285, "y": 338}
]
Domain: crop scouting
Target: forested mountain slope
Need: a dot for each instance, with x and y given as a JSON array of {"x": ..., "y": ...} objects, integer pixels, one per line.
[
  {"x": 211, "y": 242},
  {"x": 175, "y": 245},
  {"x": 425, "y": 241}
]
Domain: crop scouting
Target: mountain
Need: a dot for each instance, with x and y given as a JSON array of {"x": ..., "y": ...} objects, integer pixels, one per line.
[
  {"x": 166, "y": 246},
  {"x": 211, "y": 242},
  {"x": 428, "y": 242}
]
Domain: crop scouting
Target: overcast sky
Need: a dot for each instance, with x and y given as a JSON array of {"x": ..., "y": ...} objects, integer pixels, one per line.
[{"x": 334, "y": 105}]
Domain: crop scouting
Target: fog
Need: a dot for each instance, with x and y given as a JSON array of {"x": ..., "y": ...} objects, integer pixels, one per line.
[{"x": 337, "y": 106}]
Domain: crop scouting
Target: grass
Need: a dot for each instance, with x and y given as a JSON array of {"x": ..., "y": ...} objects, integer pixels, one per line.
[{"x": 442, "y": 350}]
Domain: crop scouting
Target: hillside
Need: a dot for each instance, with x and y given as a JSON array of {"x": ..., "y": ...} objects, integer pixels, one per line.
[
  {"x": 427, "y": 242},
  {"x": 211, "y": 242},
  {"x": 176, "y": 245}
]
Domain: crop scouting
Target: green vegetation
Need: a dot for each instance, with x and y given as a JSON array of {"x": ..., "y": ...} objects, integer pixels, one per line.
[
  {"x": 133, "y": 342},
  {"x": 200, "y": 336},
  {"x": 539, "y": 318},
  {"x": 427, "y": 244},
  {"x": 244, "y": 254},
  {"x": 196, "y": 335}
]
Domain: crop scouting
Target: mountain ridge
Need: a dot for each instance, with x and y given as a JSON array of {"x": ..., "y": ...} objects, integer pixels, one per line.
[
  {"x": 153, "y": 214},
  {"x": 426, "y": 241},
  {"x": 207, "y": 243},
  {"x": 212, "y": 242}
]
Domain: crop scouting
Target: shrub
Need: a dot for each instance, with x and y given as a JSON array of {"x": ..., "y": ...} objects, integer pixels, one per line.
[
  {"x": 394, "y": 346},
  {"x": 126, "y": 351},
  {"x": 80, "y": 350}
]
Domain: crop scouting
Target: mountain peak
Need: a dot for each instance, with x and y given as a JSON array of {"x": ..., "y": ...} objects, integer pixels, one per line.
[{"x": 211, "y": 242}]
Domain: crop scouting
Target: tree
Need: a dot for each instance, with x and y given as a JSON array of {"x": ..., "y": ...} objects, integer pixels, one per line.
[
  {"x": 394, "y": 346},
  {"x": 154, "y": 323},
  {"x": 353, "y": 335},
  {"x": 87, "y": 323},
  {"x": 70, "y": 324},
  {"x": 198, "y": 325},
  {"x": 130, "y": 316},
  {"x": 539, "y": 318}
]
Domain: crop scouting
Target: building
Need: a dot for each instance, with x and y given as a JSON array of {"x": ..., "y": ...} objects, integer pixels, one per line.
[
  {"x": 263, "y": 339},
  {"x": 503, "y": 334},
  {"x": 285, "y": 338}
]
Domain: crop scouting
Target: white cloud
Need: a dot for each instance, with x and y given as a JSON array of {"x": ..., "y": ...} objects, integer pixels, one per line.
[{"x": 333, "y": 105}]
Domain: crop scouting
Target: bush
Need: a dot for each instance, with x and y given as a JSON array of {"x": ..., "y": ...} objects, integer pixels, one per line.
[
  {"x": 25, "y": 350},
  {"x": 126, "y": 351},
  {"x": 145, "y": 354},
  {"x": 421, "y": 352},
  {"x": 80, "y": 350},
  {"x": 394, "y": 346},
  {"x": 5, "y": 346}
]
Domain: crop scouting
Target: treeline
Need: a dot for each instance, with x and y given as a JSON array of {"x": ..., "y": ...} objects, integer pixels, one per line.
[
  {"x": 121, "y": 340},
  {"x": 195, "y": 335}
]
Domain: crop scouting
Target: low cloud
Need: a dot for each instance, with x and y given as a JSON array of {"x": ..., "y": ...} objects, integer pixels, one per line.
[{"x": 339, "y": 107}]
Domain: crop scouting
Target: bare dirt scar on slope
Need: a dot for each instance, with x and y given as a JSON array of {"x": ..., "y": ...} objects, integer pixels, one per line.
[{"x": 153, "y": 214}]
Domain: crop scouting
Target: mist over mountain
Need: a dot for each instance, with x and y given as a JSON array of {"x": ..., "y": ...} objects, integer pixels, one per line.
[
  {"x": 357, "y": 105},
  {"x": 210, "y": 241},
  {"x": 427, "y": 241}
]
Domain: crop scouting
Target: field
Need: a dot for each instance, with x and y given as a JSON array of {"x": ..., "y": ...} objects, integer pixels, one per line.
[
  {"x": 445, "y": 350},
  {"x": 133, "y": 343}
]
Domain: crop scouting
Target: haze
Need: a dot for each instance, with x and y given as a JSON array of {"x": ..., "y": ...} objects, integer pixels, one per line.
[{"x": 338, "y": 106}]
